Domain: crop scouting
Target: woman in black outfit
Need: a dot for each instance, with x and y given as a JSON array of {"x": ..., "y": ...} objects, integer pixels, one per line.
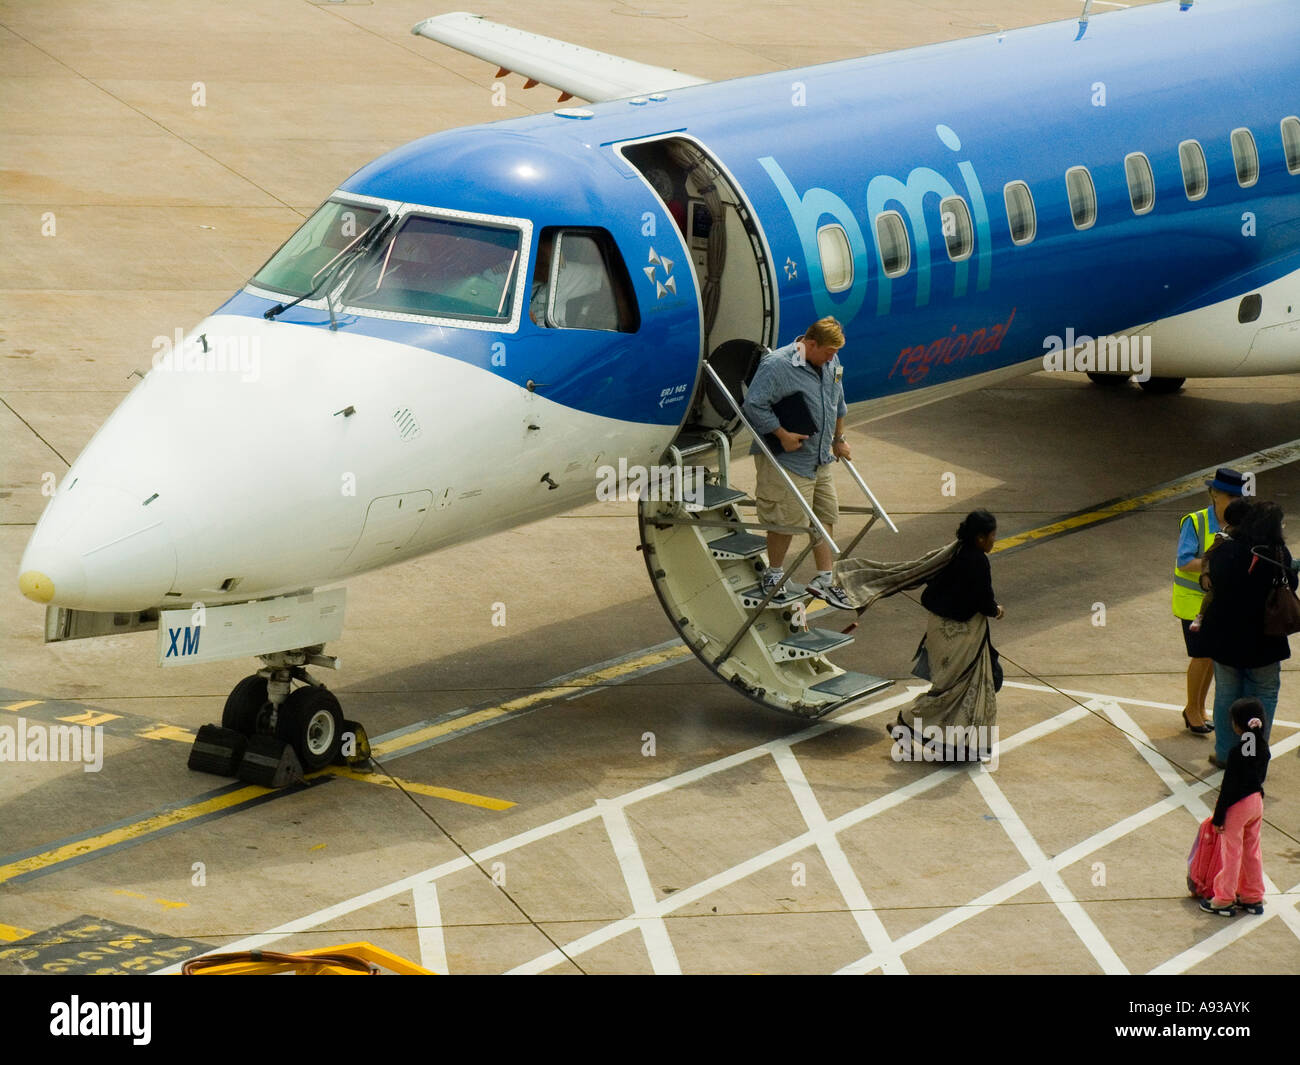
[{"x": 956, "y": 655}]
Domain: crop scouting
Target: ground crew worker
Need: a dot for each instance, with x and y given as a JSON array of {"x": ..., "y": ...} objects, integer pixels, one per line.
[{"x": 1195, "y": 535}]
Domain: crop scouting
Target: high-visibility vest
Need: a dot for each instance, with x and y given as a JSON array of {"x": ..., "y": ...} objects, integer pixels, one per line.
[{"x": 1187, "y": 583}]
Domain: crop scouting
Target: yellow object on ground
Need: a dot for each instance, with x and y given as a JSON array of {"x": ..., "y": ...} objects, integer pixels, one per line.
[{"x": 351, "y": 959}]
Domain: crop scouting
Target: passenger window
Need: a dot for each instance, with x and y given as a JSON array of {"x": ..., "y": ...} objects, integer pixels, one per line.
[
  {"x": 580, "y": 282},
  {"x": 837, "y": 260},
  {"x": 1291, "y": 143},
  {"x": 1245, "y": 157},
  {"x": 1083, "y": 196},
  {"x": 1196, "y": 179},
  {"x": 1021, "y": 218},
  {"x": 957, "y": 230},
  {"x": 891, "y": 238},
  {"x": 1141, "y": 182}
]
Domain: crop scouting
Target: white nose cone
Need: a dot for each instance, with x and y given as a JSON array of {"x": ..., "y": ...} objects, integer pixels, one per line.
[{"x": 98, "y": 547}]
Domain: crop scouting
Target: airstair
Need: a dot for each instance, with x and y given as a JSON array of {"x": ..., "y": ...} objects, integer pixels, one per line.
[{"x": 706, "y": 562}]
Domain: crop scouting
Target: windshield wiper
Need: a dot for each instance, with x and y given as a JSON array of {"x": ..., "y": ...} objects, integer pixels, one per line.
[{"x": 329, "y": 273}]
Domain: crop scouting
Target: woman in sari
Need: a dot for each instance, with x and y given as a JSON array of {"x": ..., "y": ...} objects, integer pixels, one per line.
[{"x": 955, "y": 718}]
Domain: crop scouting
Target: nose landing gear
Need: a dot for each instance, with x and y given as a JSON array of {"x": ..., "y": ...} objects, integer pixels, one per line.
[{"x": 291, "y": 730}]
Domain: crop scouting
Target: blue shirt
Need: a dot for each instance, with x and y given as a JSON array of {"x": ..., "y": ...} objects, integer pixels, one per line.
[
  {"x": 1188, "y": 546},
  {"x": 782, "y": 373}
]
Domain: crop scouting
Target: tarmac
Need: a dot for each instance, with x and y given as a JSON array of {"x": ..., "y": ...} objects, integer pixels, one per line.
[{"x": 572, "y": 791}]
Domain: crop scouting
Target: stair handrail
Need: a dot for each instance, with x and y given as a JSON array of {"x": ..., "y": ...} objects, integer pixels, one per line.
[{"x": 875, "y": 503}]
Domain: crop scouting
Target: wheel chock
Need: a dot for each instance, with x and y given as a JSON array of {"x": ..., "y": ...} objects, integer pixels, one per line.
[
  {"x": 218, "y": 750},
  {"x": 270, "y": 762},
  {"x": 355, "y": 749}
]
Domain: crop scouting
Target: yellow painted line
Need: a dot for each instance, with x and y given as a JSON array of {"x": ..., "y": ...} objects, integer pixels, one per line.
[
  {"x": 128, "y": 832},
  {"x": 15, "y": 707},
  {"x": 167, "y": 732},
  {"x": 466, "y": 797},
  {"x": 1256, "y": 462},
  {"x": 147, "y": 825},
  {"x": 90, "y": 717},
  {"x": 1122, "y": 506},
  {"x": 166, "y": 903},
  {"x": 591, "y": 680},
  {"x": 9, "y": 932}
]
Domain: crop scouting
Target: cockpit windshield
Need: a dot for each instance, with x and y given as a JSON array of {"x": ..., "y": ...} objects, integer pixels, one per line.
[
  {"x": 444, "y": 267},
  {"x": 320, "y": 243}
]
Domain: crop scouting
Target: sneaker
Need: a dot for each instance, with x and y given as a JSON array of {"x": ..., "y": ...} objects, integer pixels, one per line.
[
  {"x": 832, "y": 593},
  {"x": 1223, "y": 911},
  {"x": 1257, "y": 908},
  {"x": 771, "y": 579}
]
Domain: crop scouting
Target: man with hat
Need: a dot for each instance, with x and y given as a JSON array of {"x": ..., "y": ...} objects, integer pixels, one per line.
[{"x": 1196, "y": 534}]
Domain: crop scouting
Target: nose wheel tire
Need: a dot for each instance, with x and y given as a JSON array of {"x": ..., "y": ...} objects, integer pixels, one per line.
[
  {"x": 243, "y": 705},
  {"x": 311, "y": 721},
  {"x": 1108, "y": 380},
  {"x": 1162, "y": 386}
]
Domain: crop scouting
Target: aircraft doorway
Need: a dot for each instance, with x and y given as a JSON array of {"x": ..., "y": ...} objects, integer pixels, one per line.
[{"x": 731, "y": 264}]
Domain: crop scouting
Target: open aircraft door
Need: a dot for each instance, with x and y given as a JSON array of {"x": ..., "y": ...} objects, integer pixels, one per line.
[{"x": 704, "y": 559}]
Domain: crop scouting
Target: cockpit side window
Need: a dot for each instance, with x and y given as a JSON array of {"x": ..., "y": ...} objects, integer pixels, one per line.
[
  {"x": 580, "y": 282},
  {"x": 443, "y": 267},
  {"x": 303, "y": 259}
]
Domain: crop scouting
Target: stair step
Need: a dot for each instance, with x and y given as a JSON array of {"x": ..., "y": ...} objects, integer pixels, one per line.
[
  {"x": 809, "y": 643},
  {"x": 719, "y": 495},
  {"x": 753, "y": 595},
  {"x": 738, "y": 545},
  {"x": 849, "y": 685},
  {"x": 693, "y": 444}
]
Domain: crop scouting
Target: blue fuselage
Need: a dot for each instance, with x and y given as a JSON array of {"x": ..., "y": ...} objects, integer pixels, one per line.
[{"x": 838, "y": 144}]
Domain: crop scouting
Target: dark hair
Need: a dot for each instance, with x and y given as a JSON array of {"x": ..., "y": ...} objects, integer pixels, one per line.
[
  {"x": 1262, "y": 526},
  {"x": 978, "y": 523},
  {"x": 1236, "y": 512},
  {"x": 1243, "y": 711}
]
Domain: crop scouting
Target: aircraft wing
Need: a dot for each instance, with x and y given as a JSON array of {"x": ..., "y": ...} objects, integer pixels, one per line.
[{"x": 575, "y": 71}]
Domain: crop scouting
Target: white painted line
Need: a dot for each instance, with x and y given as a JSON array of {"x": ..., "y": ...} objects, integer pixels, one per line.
[
  {"x": 792, "y": 847},
  {"x": 1088, "y": 696},
  {"x": 920, "y": 936},
  {"x": 428, "y": 920},
  {"x": 1234, "y": 928},
  {"x": 869, "y": 923},
  {"x": 825, "y": 833},
  {"x": 1098, "y": 946},
  {"x": 386, "y": 891},
  {"x": 659, "y": 945},
  {"x": 1169, "y": 776}
]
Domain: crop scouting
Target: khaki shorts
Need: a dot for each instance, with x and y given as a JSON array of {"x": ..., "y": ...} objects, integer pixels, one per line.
[{"x": 776, "y": 506}]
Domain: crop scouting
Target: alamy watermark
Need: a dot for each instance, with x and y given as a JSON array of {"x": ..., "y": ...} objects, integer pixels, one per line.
[
  {"x": 655, "y": 483},
  {"x": 945, "y": 743},
  {"x": 36, "y": 742},
  {"x": 1105, "y": 354},
  {"x": 77, "y": 1018},
  {"x": 204, "y": 354}
]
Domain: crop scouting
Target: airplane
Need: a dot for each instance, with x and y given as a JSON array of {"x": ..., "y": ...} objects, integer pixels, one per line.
[{"x": 476, "y": 325}]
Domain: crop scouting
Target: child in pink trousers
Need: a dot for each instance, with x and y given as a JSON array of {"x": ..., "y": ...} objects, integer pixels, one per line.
[{"x": 1239, "y": 814}]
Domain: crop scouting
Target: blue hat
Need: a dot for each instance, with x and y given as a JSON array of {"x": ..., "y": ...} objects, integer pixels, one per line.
[{"x": 1230, "y": 482}]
